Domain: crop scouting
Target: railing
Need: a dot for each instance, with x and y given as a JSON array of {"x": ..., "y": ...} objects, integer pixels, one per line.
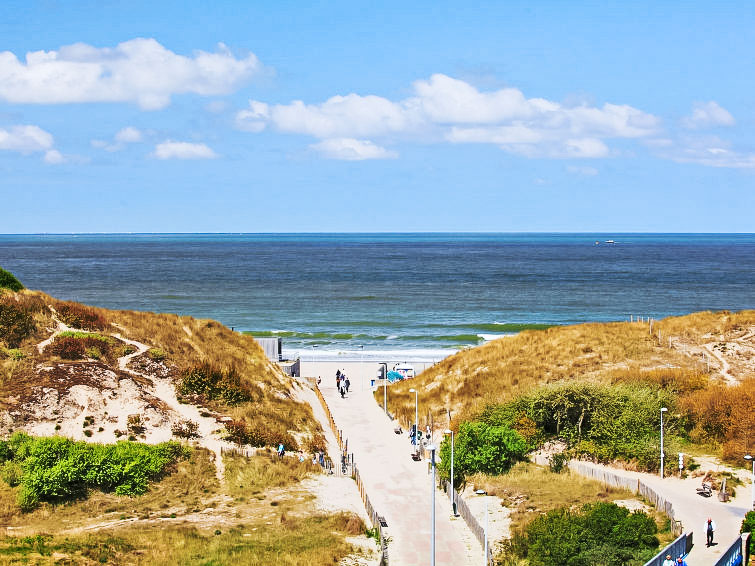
[
  {"x": 738, "y": 553},
  {"x": 679, "y": 547},
  {"x": 378, "y": 522},
  {"x": 634, "y": 485},
  {"x": 466, "y": 513}
]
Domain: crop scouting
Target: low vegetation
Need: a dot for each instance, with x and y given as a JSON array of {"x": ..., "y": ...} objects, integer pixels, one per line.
[
  {"x": 598, "y": 533},
  {"x": 9, "y": 281},
  {"x": 57, "y": 469}
]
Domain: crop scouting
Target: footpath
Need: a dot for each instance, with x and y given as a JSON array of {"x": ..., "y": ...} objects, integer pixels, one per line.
[
  {"x": 399, "y": 488},
  {"x": 693, "y": 510}
]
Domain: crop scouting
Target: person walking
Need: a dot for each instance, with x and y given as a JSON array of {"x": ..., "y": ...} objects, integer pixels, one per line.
[
  {"x": 281, "y": 450},
  {"x": 668, "y": 561},
  {"x": 342, "y": 389},
  {"x": 710, "y": 528},
  {"x": 680, "y": 561},
  {"x": 347, "y": 383}
]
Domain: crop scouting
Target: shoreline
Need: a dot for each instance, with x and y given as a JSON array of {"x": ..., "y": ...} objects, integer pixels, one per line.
[{"x": 360, "y": 373}]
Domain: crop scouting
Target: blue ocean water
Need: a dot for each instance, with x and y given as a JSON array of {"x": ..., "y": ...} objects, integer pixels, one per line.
[{"x": 378, "y": 292}]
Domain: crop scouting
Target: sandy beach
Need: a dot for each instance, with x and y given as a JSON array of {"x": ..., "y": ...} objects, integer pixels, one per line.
[{"x": 360, "y": 373}]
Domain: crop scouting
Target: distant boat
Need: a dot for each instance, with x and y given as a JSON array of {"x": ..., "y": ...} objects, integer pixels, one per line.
[{"x": 610, "y": 242}]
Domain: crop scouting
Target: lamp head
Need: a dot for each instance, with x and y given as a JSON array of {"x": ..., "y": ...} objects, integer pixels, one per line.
[
  {"x": 412, "y": 390},
  {"x": 664, "y": 409},
  {"x": 448, "y": 431},
  {"x": 431, "y": 447},
  {"x": 481, "y": 492},
  {"x": 748, "y": 457}
]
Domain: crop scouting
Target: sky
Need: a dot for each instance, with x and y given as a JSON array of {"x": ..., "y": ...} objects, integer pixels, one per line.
[{"x": 241, "y": 116}]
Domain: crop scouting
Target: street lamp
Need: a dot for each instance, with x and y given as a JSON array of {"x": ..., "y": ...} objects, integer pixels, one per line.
[
  {"x": 361, "y": 363},
  {"x": 485, "y": 493},
  {"x": 431, "y": 448},
  {"x": 453, "y": 499},
  {"x": 416, "y": 416},
  {"x": 749, "y": 458},
  {"x": 663, "y": 410}
]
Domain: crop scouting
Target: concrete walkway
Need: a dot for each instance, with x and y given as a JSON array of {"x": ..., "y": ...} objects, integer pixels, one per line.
[
  {"x": 399, "y": 488},
  {"x": 693, "y": 510}
]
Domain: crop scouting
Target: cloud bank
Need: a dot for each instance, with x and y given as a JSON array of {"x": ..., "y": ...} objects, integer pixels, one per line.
[
  {"x": 445, "y": 109},
  {"x": 140, "y": 71}
]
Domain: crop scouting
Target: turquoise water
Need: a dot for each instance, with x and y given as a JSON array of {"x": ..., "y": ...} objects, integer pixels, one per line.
[{"x": 362, "y": 293}]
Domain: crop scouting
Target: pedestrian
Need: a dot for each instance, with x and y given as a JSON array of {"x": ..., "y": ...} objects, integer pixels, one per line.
[
  {"x": 319, "y": 380},
  {"x": 347, "y": 384},
  {"x": 281, "y": 450},
  {"x": 342, "y": 389},
  {"x": 322, "y": 458},
  {"x": 710, "y": 528},
  {"x": 680, "y": 561},
  {"x": 428, "y": 434},
  {"x": 668, "y": 561}
]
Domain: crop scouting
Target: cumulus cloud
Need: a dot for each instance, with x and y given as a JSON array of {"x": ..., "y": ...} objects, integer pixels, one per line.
[
  {"x": 443, "y": 108},
  {"x": 139, "y": 70},
  {"x": 170, "y": 149},
  {"x": 122, "y": 137},
  {"x": 54, "y": 157},
  {"x": 350, "y": 149},
  {"x": 25, "y": 139},
  {"x": 707, "y": 115}
]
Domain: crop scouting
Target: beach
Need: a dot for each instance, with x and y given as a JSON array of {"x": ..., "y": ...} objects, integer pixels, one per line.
[{"x": 360, "y": 373}]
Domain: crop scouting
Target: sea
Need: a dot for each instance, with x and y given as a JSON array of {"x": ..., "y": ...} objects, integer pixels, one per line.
[{"x": 365, "y": 296}]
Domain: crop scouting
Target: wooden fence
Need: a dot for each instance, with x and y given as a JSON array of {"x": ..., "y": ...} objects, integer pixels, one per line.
[
  {"x": 633, "y": 485},
  {"x": 378, "y": 522},
  {"x": 471, "y": 521}
]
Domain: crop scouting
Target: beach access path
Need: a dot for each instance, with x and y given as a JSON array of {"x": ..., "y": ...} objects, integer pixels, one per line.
[
  {"x": 399, "y": 488},
  {"x": 693, "y": 510}
]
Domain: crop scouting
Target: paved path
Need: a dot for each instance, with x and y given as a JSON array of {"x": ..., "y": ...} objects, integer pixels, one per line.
[
  {"x": 399, "y": 488},
  {"x": 693, "y": 510}
]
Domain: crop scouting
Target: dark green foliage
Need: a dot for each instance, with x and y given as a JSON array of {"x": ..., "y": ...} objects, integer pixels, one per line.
[
  {"x": 80, "y": 316},
  {"x": 15, "y": 324},
  {"x": 9, "y": 281},
  {"x": 481, "y": 447},
  {"x": 218, "y": 385},
  {"x": 57, "y": 469},
  {"x": 598, "y": 534},
  {"x": 748, "y": 526},
  {"x": 605, "y": 422}
]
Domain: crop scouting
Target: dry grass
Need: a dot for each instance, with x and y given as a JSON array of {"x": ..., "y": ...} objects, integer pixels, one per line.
[
  {"x": 607, "y": 352},
  {"x": 251, "y": 476}
]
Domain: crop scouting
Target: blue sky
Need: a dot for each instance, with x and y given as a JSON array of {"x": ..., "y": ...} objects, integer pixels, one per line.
[{"x": 341, "y": 116}]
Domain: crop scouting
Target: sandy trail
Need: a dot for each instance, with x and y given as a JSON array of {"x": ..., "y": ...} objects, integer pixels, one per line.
[
  {"x": 61, "y": 327},
  {"x": 692, "y": 509},
  {"x": 163, "y": 389}
]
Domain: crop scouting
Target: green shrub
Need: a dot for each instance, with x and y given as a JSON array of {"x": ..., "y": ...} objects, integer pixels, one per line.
[
  {"x": 240, "y": 433},
  {"x": 156, "y": 354},
  {"x": 9, "y": 281},
  {"x": 15, "y": 354},
  {"x": 58, "y": 469},
  {"x": 748, "y": 526},
  {"x": 604, "y": 422},
  {"x": 71, "y": 345},
  {"x": 15, "y": 324},
  {"x": 480, "y": 447},
  {"x": 217, "y": 385},
  {"x": 599, "y": 533}
]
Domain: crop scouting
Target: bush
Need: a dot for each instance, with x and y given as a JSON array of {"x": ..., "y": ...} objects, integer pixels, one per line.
[
  {"x": 15, "y": 354},
  {"x": 156, "y": 354},
  {"x": 748, "y": 526},
  {"x": 78, "y": 345},
  {"x": 80, "y": 316},
  {"x": 480, "y": 447},
  {"x": 15, "y": 324},
  {"x": 241, "y": 434},
  {"x": 218, "y": 385},
  {"x": 58, "y": 469},
  {"x": 599, "y": 533},
  {"x": 9, "y": 281},
  {"x": 185, "y": 428}
]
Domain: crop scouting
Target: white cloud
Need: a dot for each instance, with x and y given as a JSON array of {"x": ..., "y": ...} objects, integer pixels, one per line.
[
  {"x": 183, "y": 150},
  {"x": 707, "y": 115},
  {"x": 350, "y": 149},
  {"x": 128, "y": 134},
  {"x": 715, "y": 157},
  {"x": 584, "y": 171},
  {"x": 54, "y": 157},
  {"x": 139, "y": 70},
  {"x": 25, "y": 139},
  {"x": 443, "y": 108}
]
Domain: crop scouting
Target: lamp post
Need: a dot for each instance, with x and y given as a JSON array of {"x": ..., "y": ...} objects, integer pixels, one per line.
[
  {"x": 361, "y": 363},
  {"x": 431, "y": 448},
  {"x": 750, "y": 458},
  {"x": 663, "y": 410},
  {"x": 453, "y": 499},
  {"x": 485, "y": 493},
  {"x": 416, "y": 416},
  {"x": 385, "y": 390}
]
